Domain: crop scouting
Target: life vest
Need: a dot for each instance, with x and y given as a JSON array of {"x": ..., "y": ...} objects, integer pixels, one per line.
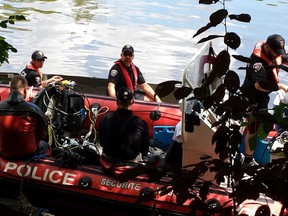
[
  {"x": 258, "y": 51},
  {"x": 32, "y": 67},
  {"x": 22, "y": 125},
  {"x": 130, "y": 85}
]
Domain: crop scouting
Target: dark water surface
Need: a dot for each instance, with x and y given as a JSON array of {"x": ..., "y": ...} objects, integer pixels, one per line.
[{"x": 85, "y": 37}]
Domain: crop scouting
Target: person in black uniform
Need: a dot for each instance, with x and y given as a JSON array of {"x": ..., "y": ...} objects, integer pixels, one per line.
[
  {"x": 261, "y": 80},
  {"x": 32, "y": 71},
  {"x": 125, "y": 74},
  {"x": 123, "y": 135}
]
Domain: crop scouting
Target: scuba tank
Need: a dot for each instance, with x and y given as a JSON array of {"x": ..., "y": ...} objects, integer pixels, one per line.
[{"x": 65, "y": 107}]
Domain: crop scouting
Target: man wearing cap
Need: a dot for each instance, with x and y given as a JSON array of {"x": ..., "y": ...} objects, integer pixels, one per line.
[
  {"x": 123, "y": 135},
  {"x": 262, "y": 79},
  {"x": 125, "y": 73},
  {"x": 32, "y": 71}
]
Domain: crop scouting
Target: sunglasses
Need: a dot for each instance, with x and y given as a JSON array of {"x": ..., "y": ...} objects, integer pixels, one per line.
[
  {"x": 40, "y": 60},
  {"x": 127, "y": 54}
]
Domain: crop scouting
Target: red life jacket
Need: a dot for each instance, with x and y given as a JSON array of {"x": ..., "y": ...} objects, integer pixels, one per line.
[
  {"x": 130, "y": 85},
  {"x": 32, "y": 67},
  {"x": 258, "y": 51}
]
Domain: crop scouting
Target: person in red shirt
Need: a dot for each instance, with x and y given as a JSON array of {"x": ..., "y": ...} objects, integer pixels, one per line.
[{"x": 23, "y": 125}]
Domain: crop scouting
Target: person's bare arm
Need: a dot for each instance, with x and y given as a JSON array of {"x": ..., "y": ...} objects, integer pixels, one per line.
[
  {"x": 111, "y": 89},
  {"x": 258, "y": 87},
  {"x": 283, "y": 87},
  {"x": 52, "y": 79},
  {"x": 150, "y": 92},
  {"x": 280, "y": 86}
]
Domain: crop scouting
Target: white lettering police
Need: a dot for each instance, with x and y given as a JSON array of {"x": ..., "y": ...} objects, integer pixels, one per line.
[{"x": 53, "y": 176}]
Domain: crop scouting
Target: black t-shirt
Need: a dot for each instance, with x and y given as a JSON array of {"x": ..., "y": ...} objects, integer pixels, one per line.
[
  {"x": 32, "y": 76},
  {"x": 257, "y": 72},
  {"x": 123, "y": 136},
  {"x": 116, "y": 76}
]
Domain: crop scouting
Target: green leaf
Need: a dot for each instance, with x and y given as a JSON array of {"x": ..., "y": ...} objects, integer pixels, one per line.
[
  {"x": 241, "y": 17},
  {"x": 262, "y": 133},
  {"x": 232, "y": 40},
  {"x": 182, "y": 92},
  {"x": 253, "y": 140},
  {"x": 3, "y": 24},
  {"x": 218, "y": 16},
  {"x": 210, "y": 37},
  {"x": 242, "y": 58},
  {"x": 208, "y": 1},
  {"x": 232, "y": 81},
  {"x": 20, "y": 17},
  {"x": 203, "y": 29},
  {"x": 13, "y": 49},
  {"x": 221, "y": 63},
  {"x": 165, "y": 88}
]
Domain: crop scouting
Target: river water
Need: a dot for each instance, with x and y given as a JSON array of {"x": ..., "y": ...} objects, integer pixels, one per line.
[{"x": 85, "y": 37}]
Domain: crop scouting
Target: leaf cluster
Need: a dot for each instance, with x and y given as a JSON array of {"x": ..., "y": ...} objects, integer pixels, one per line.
[
  {"x": 271, "y": 179},
  {"x": 5, "y": 47}
]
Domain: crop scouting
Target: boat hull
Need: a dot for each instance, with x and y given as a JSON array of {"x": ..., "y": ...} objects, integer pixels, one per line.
[
  {"x": 87, "y": 189},
  {"x": 170, "y": 114}
]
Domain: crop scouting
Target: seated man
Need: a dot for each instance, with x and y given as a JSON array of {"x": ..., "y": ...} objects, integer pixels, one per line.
[
  {"x": 22, "y": 124},
  {"x": 123, "y": 135},
  {"x": 33, "y": 74}
]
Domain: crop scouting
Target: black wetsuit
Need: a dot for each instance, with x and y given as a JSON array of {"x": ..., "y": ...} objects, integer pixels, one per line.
[{"x": 123, "y": 136}]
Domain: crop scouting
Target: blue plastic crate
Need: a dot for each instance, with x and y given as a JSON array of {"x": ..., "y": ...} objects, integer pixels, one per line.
[
  {"x": 162, "y": 136},
  {"x": 262, "y": 151}
]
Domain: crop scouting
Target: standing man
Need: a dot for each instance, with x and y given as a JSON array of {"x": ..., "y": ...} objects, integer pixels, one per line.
[
  {"x": 33, "y": 74},
  {"x": 125, "y": 74},
  {"x": 22, "y": 124},
  {"x": 123, "y": 135},
  {"x": 261, "y": 80}
]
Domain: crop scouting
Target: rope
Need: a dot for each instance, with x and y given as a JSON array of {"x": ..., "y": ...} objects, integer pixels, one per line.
[
  {"x": 26, "y": 206},
  {"x": 50, "y": 135}
]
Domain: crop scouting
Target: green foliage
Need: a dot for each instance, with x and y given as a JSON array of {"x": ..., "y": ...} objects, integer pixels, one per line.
[
  {"x": 271, "y": 179},
  {"x": 5, "y": 47}
]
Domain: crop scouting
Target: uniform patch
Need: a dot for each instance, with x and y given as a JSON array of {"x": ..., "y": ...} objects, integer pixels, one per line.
[
  {"x": 23, "y": 73},
  {"x": 257, "y": 66},
  {"x": 38, "y": 80},
  {"x": 113, "y": 73}
]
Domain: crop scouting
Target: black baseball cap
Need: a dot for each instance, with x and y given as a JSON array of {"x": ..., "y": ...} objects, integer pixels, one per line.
[
  {"x": 124, "y": 94},
  {"x": 38, "y": 55},
  {"x": 277, "y": 44},
  {"x": 128, "y": 48}
]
